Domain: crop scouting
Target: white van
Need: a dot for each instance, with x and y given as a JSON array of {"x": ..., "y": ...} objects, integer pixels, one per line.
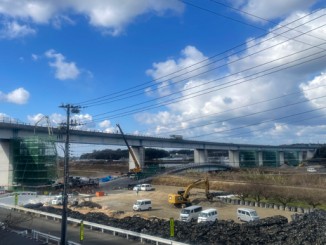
[
  {"x": 57, "y": 200},
  {"x": 208, "y": 215},
  {"x": 144, "y": 204},
  {"x": 146, "y": 187},
  {"x": 190, "y": 213},
  {"x": 246, "y": 214}
]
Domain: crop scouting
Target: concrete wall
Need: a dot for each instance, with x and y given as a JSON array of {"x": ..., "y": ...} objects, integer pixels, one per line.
[{"x": 5, "y": 164}]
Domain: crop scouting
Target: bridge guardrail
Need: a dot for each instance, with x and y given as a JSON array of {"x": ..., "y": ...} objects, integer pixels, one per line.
[{"x": 103, "y": 228}]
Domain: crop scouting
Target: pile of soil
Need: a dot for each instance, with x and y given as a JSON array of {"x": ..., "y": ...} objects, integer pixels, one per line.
[{"x": 304, "y": 229}]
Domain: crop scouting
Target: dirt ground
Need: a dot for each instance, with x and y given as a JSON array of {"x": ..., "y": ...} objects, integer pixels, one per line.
[{"x": 122, "y": 200}]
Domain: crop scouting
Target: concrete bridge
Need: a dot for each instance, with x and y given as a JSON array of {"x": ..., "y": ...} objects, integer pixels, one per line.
[{"x": 239, "y": 154}]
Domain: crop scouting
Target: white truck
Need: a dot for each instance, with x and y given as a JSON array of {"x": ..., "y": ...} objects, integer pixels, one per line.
[{"x": 58, "y": 200}]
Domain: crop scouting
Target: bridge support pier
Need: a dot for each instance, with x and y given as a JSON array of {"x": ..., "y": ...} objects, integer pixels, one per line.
[
  {"x": 281, "y": 157},
  {"x": 6, "y": 167},
  {"x": 139, "y": 152},
  {"x": 260, "y": 159},
  {"x": 200, "y": 156},
  {"x": 234, "y": 158},
  {"x": 310, "y": 154}
]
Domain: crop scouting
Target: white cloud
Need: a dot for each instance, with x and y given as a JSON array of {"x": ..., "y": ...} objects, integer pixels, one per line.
[
  {"x": 12, "y": 30},
  {"x": 190, "y": 64},
  {"x": 37, "y": 118},
  {"x": 18, "y": 96},
  {"x": 105, "y": 124},
  {"x": 268, "y": 9},
  {"x": 63, "y": 70},
  {"x": 215, "y": 111},
  {"x": 107, "y": 127},
  {"x": 315, "y": 88},
  {"x": 111, "y": 16}
]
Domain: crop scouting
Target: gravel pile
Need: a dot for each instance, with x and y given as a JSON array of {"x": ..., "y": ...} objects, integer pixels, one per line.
[{"x": 305, "y": 229}]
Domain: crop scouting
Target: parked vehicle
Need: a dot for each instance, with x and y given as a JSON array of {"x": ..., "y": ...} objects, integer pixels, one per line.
[
  {"x": 208, "y": 215},
  {"x": 146, "y": 187},
  {"x": 145, "y": 204},
  {"x": 311, "y": 170},
  {"x": 137, "y": 188},
  {"x": 58, "y": 200},
  {"x": 190, "y": 213},
  {"x": 247, "y": 215}
]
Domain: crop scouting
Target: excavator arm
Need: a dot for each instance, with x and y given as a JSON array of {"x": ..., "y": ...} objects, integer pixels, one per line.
[{"x": 183, "y": 196}]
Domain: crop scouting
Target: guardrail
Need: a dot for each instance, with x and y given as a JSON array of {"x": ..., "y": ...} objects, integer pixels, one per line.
[
  {"x": 115, "y": 231},
  {"x": 40, "y": 236}
]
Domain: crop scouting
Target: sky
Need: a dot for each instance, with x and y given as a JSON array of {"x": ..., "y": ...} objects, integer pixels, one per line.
[{"x": 238, "y": 71}]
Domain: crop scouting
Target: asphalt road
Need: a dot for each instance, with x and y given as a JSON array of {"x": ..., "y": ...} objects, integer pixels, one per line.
[{"x": 26, "y": 221}]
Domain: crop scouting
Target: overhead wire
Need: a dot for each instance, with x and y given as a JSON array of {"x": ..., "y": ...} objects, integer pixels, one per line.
[
  {"x": 210, "y": 90},
  {"x": 135, "y": 105},
  {"x": 310, "y": 60},
  {"x": 258, "y": 123},
  {"x": 246, "y": 115},
  {"x": 124, "y": 92},
  {"x": 259, "y": 130},
  {"x": 260, "y": 18}
]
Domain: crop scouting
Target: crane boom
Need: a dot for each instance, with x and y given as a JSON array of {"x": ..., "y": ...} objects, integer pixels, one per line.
[{"x": 133, "y": 155}]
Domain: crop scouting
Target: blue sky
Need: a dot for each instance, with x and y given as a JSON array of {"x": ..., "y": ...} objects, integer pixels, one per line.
[{"x": 154, "y": 67}]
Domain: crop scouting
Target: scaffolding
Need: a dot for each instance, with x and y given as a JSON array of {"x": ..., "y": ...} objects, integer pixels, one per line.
[{"x": 34, "y": 161}]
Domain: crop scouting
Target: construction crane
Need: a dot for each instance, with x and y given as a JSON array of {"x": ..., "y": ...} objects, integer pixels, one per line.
[
  {"x": 182, "y": 198},
  {"x": 137, "y": 169},
  {"x": 47, "y": 119}
]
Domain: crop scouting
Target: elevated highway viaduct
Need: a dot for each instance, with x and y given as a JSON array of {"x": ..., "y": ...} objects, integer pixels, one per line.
[{"x": 238, "y": 154}]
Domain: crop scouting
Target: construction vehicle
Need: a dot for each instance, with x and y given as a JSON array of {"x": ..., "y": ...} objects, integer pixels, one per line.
[
  {"x": 137, "y": 169},
  {"x": 181, "y": 199}
]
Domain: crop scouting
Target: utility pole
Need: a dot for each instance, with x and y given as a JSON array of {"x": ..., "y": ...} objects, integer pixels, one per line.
[{"x": 70, "y": 109}]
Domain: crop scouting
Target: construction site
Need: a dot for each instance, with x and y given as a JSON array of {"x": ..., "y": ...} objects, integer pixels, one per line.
[{"x": 108, "y": 194}]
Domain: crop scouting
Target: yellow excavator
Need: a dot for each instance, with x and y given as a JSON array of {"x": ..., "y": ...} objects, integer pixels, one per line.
[
  {"x": 137, "y": 168},
  {"x": 182, "y": 198}
]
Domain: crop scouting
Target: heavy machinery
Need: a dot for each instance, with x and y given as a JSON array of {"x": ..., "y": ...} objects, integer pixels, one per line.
[
  {"x": 182, "y": 198},
  {"x": 137, "y": 169}
]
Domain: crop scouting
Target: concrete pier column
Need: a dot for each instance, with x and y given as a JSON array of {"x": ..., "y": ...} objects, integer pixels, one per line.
[
  {"x": 139, "y": 152},
  {"x": 300, "y": 156},
  {"x": 281, "y": 157},
  {"x": 200, "y": 156},
  {"x": 260, "y": 159},
  {"x": 234, "y": 158},
  {"x": 310, "y": 154},
  {"x": 5, "y": 164}
]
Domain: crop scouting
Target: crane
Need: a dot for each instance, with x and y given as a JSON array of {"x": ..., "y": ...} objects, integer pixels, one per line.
[
  {"x": 50, "y": 131},
  {"x": 182, "y": 198},
  {"x": 137, "y": 169}
]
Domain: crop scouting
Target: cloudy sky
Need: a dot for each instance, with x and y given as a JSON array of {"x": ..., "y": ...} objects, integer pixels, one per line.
[{"x": 241, "y": 71}]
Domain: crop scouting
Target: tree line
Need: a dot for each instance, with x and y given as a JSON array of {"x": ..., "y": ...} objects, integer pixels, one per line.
[{"x": 150, "y": 154}]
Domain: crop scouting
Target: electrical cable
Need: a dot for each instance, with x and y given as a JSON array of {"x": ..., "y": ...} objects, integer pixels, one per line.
[
  {"x": 225, "y": 52},
  {"x": 210, "y": 91}
]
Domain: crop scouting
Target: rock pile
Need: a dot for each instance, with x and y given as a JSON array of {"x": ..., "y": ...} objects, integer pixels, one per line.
[{"x": 304, "y": 229}]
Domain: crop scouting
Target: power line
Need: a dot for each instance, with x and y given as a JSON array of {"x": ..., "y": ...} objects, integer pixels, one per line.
[
  {"x": 260, "y": 18},
  {"x": 141, "y": 86},
  {"x": 258, "y": 130},
  {"x": 247, "y": 115},
  {"x": 255, "y": 124},
  {"x": 227, "y": 84}
]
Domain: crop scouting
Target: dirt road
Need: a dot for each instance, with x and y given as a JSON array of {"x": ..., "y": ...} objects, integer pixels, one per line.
[{"x": 122, "y": 200}]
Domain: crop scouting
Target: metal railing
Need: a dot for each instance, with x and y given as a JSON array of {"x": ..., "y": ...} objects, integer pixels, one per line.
[
  {"x": 40, "y": 236},
  {"x": 103, "y": 228}
]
